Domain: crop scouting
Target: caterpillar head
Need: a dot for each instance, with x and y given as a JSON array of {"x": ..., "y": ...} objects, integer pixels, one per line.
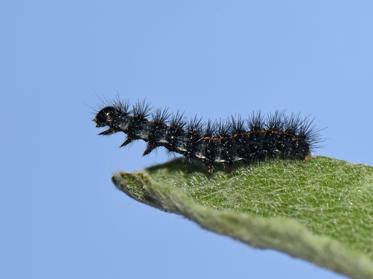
[
  {"x": 105, "y": 117},
  {"x": 108, "y": 116}
]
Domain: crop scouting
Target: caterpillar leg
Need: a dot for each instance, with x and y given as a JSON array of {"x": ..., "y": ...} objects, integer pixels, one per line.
[
  {"x": 307, "y": 158},
  {"x": 149, "y": 148},
  {"x": 126, "y": 142},
  {"x": 210, "y": 168},
  {"x": 107, "y": 132}
]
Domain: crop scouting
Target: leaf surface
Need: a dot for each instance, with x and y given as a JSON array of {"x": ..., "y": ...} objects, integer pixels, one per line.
[{"x": 320, "y": 210}]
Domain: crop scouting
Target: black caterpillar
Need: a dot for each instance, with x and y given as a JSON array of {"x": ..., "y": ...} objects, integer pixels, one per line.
[{"x": 221, "y": 142}]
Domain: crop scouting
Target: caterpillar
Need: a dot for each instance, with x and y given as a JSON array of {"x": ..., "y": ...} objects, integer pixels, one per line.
[{"x": 226, "y": 142}]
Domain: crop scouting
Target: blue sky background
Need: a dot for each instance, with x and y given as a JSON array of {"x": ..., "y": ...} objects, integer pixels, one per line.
[{"x": 62, "y": 217}]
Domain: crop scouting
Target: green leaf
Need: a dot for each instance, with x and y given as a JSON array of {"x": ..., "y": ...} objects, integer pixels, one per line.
[{"x": 320, "y": 210}]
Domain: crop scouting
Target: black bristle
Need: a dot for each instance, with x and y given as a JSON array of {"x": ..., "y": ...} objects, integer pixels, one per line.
[
  {"x": 194, "y": 133},
  {"x": 161, "y": 115},
  {"x": 210, "y": 129},
  {"x": 195, "y": 125},
  {"x": 292, "y": 123},
  {"x": 255, "y": 121},
  {"x": 122, "y": 107},
  {"x": 158, "y": 125},
  {"x": 237, "y": 124},
  {"x": 177, "y": 120},
  {"x": 275, "y": 121},
  {"x": 141, "y": 110},
  {"x": 224, "y": 128},
  {"x": 175, "y": 130}
]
